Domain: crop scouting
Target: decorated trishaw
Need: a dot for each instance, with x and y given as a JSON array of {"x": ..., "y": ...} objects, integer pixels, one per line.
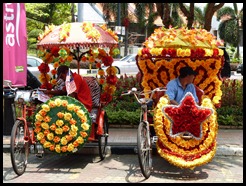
[
  {"x": 62, "y": 124},
  {"x": 159, "y": 61}
]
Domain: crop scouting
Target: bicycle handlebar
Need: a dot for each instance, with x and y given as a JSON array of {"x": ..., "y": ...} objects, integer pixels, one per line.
[
  {"x": 14, "y": 90},
  {"x": 137, "y": 94}
]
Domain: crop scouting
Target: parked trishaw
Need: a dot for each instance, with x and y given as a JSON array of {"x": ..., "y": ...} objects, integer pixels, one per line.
[
  {"x": 62, "y": 124},
  {"x": 159, "y": 61}
]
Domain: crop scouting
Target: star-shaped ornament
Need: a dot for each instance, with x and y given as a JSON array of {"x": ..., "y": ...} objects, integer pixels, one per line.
[{"x": 187, "y": 117}]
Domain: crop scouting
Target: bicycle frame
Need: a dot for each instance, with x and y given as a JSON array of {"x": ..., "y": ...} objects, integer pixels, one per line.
[
  {"x": 28, "y": 136},
  {"x": 144, "y": 144}
]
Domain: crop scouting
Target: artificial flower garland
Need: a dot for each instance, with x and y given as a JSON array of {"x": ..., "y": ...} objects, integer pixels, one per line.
[
  {"x": 182, "y": 38},
  {"x": 167, "y": 50},
  {"x": 63, "y": 56},
  {"x": 186, "y": 153},
  {"x": 56, "y": 56},
  {"x": 159, "y": 61},
  {"x": 159, "y": 71},
  {"x": 62, "y": 125}
]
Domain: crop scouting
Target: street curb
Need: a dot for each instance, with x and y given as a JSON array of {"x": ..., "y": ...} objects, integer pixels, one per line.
[{"x": 229, "y": 150}]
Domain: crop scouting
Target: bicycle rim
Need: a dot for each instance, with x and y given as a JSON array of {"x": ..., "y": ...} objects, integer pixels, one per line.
[
  {"x": 19, "y": 148},
  {"x": 144, "y": 150},
  {"x": 103, "y": 139}
]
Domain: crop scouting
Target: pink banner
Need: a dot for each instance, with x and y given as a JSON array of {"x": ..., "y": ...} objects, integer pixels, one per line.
[{"x": 15, "y": 44}]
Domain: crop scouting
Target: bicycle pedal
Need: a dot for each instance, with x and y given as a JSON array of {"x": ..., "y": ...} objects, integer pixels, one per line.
[{"x": 41, "y": 155}]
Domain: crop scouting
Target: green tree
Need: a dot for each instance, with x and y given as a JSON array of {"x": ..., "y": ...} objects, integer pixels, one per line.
[
  {"x": 209, "y": 11},
  {"x": 39, "y": 15},
  {"x": 229, "y": 25}
]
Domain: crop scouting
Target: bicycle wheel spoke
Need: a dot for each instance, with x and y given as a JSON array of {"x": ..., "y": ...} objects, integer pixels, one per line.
[
  {"x": 144, "y": 150},
  {"x": 19, "y": 148}
]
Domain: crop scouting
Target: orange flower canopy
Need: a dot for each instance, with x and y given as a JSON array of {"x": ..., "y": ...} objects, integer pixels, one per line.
[
  {"x": 168, "y": 50},
  {"x": 73, "y": 34},
  {"x": 182, "y": 37},
  {"x": 83, "y": 42}
]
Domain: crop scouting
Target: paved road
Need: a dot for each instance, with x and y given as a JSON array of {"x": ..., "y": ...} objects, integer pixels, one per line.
[
  {"x": 235, "y": 75},
  {"x": 120, "y": 168}
]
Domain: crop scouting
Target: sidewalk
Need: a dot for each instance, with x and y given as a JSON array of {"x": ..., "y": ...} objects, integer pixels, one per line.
[{"x": 124, "y": 140}]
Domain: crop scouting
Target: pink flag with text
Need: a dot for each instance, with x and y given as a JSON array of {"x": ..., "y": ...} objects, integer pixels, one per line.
[{"x": 15, "y": 44}]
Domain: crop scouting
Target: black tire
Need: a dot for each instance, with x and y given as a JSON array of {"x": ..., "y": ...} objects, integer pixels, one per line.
[
  {"x": 103, "y": 139},
  {"x": 118, "y": 70},
  {"x": 144, "y": 150},
  {"x": 19, "y": 149}
]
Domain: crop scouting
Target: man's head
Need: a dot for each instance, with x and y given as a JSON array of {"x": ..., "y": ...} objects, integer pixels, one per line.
[
  {"x": 186, "y": 71},
  {"x": 62, "y": 72}
]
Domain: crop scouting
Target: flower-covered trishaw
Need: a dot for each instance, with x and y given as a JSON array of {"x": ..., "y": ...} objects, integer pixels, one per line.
[
  {"x": 62, "y": 124},
  {"x": 159, "y": 61}
]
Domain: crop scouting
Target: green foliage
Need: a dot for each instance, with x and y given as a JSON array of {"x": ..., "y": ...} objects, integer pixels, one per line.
[
  {"x": 124, "y": 109},
  {"x": 231, "y": 116},
  {"x": 232, "y": 93},
  {"x": 123, "y": 117},
  {"x": 231, "y": 110},
  {"x": 39, "y": 15}
]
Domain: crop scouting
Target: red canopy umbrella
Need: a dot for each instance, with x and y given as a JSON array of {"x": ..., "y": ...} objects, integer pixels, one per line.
[{"x": 80, "y": 37}]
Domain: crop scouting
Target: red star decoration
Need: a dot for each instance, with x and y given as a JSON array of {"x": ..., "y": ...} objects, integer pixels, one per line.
[{"x": 187, "y": 116}]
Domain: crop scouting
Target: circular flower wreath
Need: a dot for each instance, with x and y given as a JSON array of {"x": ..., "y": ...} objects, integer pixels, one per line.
[
  {"x": 181, "y": 152},
  {"x": 62, "y": 125}
]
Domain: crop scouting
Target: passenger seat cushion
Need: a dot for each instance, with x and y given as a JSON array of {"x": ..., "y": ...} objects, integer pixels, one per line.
[{"x": 95, "y": 90}]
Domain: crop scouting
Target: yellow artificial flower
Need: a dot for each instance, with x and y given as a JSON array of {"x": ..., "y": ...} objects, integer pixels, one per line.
[
  {"x": 80, "y": 140},
  {"x": 39, "y": 117},
  {"x": 85, "y": 126},
  {"x": 58, "y": 131},
  {"x": 58, "y": 102},
  {"x": 45, "y": 125},
  {"x": 70, "y": 107},
  {"x": 58, "y": 148},
  {"x": 46, "y": 107},
  {"x": 70, "y": 147},
  {"x": 59, "y": 122},
  {"x": 50, "y": 136},
  {"x": 67, "y": 116}
]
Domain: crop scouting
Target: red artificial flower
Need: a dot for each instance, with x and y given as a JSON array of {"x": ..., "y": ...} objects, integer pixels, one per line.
[
  {"x": 106, "y": 97},
  {"x": 44, "y": 68},
  {"x": 199, "y": 52},
  {"x": 98, "y": 65},
  {"x": 107, "y": 60},
  {"x": 47, "y": 86},
  {"x": 146, "y": 52},
  {"x": 111, "y": 79},
  {"x": 215, "y": 52},
  {"x": 187, "y": 117},
  {"x": 55, "y": 51}
]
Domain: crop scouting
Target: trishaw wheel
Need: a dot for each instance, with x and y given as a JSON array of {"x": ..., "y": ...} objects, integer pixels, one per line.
[
  {"x": 144, "y": 150},
  {"x": 19, "y": 149},
  {"x": 103, "y": 139}
]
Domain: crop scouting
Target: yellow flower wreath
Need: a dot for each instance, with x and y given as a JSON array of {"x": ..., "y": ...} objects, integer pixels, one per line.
[{"x": 62, "y": 125}]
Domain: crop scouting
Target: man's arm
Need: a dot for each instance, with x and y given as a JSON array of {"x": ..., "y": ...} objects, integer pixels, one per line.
[
  {"x": 55, "y": 92},
  {"x": 173, "y": 102}
]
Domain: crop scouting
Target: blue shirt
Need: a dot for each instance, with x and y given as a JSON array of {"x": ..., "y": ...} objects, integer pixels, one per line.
[{"x": 176, "y": 92}]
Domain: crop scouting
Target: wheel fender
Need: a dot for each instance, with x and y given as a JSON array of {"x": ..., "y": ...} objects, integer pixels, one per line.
[{"x": 100, "y": 123}]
